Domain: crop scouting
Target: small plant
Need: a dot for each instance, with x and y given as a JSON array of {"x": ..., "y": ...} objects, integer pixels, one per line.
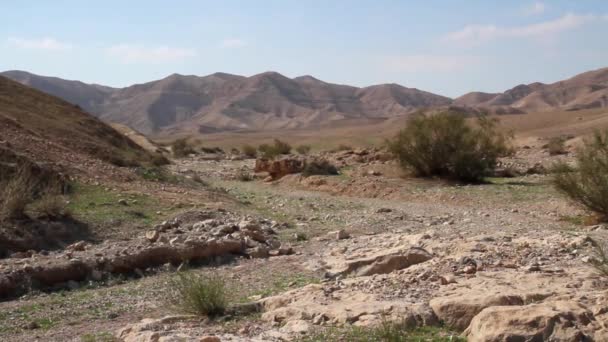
[
  {"x": 157, "y": 174},
  {"x": 244, "y": 176},
  {"x": 319, "y": 167},
  {"x": 16, "y": 193},
  {"x": 199, "y": 295},
  {"x": 52, "y": 206},
  {"x": 587, "y": 184},
  {"x": 181, "y": 148},
  {"x": 211, "y": 150},
  {"x": 342, "y": 147},
  {"x": 272, "y": 151},
  {"x": 249, "y": 151},
  {"x": 556, "y": 146},
  {"x": 600, "y": 262},
  {"x": 303, "y": 149},
  {"x": 444, "y": 145}
]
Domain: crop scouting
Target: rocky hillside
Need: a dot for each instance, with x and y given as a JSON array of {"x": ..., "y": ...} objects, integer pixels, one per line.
[
  {"x": 222, "y": 101},
  {"x": 46, "y": 129},
  {"x": 584, "y": 91}
]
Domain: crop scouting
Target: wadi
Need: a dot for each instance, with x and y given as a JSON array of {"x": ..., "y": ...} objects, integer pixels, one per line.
[{"x": 264, "y": 207}]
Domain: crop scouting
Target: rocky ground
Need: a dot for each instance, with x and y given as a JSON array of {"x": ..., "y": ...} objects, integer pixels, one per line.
[{"x": 314, "y": 257}]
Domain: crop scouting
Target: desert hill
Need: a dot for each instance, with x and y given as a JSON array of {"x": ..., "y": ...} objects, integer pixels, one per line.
[
  {"x": 44, "y": 128},
  {"x": 584, "y": 91},
  {"x": 224, "y": 102}
]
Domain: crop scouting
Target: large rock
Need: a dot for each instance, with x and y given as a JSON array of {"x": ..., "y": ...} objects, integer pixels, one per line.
[
  {"x": 279, "y": 167},
  {"x": 457, "y": 311},
  {"x": 552, "y": 321}
]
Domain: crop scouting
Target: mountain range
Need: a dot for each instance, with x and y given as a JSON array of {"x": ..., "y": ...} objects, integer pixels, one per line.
[{"x": 267, "y": 101}]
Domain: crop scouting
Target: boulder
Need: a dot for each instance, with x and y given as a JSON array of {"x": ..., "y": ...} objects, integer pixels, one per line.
[
  {"x": 280, "y": 167},
  {"x": 549, "y": 321}
]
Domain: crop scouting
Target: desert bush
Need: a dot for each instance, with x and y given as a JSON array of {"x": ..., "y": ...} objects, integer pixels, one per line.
[
  {"x": 198, "y": 294},
  {"x": 16, "y": 193},
  {"x": 600, "y": 261},
  {"x": 249, "y": 151},
  {"x": 556, "y": 146},
  {"x": 342, "y": 147},
  {"x": 181, "y": 148},
  {"x": 211, "y": 150},
  {"x": 319, "y": 167},
  {"x": 277, "y": 148},
  {"x": 52, "y": 206},
  {"x": 303, "y": 149},
  {"x": 244, "y": 176},
  {"x": 158, "y": 159},
  {"x": 587, "y": 183},
  {"x": 444, "y": 145}
]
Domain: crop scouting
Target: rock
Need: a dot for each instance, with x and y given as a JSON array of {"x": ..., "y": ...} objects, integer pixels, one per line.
[
  {"x": 73, "y": 285},
  {"x": 123, "y": 201},
  {"x": 548, "y": 321},
  {"x": 384, "y": 210},
  {"x": 342, "y": 234},
  {"x": 152, "y": 235},
  {"x": 297, "y": 326},
  {"x": 257, "y": 252},
  {"x": 458, "y": 310},
  {"x": 210, "y": 339},
  {"x": 384, "y": 264},
  {"x": 469, "y": 269},
  {"x": 447, "y": 279},
  {"x": 96, "y": 275},
  {"x": 77, "y": 246},
  {"x": 279, "y": 168}
]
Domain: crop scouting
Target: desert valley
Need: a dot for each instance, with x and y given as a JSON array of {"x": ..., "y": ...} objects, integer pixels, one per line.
[{"x": 274, "y": 208}]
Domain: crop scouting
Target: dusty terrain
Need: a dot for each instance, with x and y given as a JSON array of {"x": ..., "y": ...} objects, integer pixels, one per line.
[{"x": 314, "y": 257}]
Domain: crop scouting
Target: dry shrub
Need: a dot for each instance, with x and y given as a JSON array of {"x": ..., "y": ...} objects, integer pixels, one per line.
[
  {"x": 181, "y": 148},
  {"x": 303, "y": 149},
  {"x": 556, "y": 146},
  {"x": 444, "y": 145},
  {"x": 249, "y": 151},
  {"x": 198, "y": 294},
  {"x": 319, "y": 167},
  {"x": 587, "y": 184}
]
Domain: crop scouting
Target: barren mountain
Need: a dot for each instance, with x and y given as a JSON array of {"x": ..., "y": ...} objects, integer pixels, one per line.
[
  {"x": 222, "y": 101},
  {"x": 584, "y": 91},
  {"x": 44, "y": 128}
]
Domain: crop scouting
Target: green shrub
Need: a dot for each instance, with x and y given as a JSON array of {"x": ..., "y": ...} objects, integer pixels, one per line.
[
  {"x": 181, "y": 148},
  {"x": 444, "y": 145},
  {"x": 600, "y": 261},
  {"x": 277, "y": 148},
  {"x": 51, "y": 206},
  {"x": 556, "y": 146},
  {"x": 303, "y": 149},
  {"x": 199, "y": 295},
  {"x": 249, "y": 151},
  {"x": 319, "y": 167},
  {"x": 16, "y": 193},
  {"x": 587, "y": 184}
]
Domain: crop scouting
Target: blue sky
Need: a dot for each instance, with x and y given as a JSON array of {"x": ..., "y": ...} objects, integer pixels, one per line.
[{"x": 447, "y": 47}]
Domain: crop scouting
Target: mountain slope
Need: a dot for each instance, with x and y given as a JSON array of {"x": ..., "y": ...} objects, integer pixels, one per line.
[
  {"x": 47, "y": 129},
  {"x": 179, "y": 103},
  {"x": 584, "y": 91}
]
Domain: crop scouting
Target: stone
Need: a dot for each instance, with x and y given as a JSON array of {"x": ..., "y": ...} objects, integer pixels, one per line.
[
  {"x": 210, "y": 339},
  {"x": 342, "y": 234},
  {"x": 77, "y": 246},
  {"x": 547, "y": 321},
  {"x": 123, "y": 201},
  {"x": 152, "y": 235},
  {"x": 447, "y": 279}
]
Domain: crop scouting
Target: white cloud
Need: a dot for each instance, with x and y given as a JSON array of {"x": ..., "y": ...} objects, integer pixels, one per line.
[
  {"x": 232, "y": 43},
  {"x": 39, "y": 44},
  {"x": 535, "y": 9},
  {"x": 422, "y": 63},
  {"x": 476, "y": 34},
  {"x": 127, "y": 53}
]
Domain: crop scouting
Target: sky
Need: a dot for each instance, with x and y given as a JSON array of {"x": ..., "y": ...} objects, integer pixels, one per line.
[{"x": 446, "y": 47}]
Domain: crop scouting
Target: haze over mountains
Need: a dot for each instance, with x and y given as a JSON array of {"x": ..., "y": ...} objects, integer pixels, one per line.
[{"x": 222, "y": 102}]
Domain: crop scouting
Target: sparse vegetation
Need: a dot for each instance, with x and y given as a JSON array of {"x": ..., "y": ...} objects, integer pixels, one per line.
[
  {"x": 385, "y": 332},
  {"x": 319, "y": 167},
  {"x": 556, "y": 146},
  {"x": 244, "y": 176},
  {"x": 277, "y": 148},
  {"x": 181, "y": 148},
  {"x": 249, "y": 151},
  {"x": 303, "y": 149},
  {"x": 199, "y": 295},
  {"x": 587, "y": 184},
  {"x": 52, "y": 206},
  {"x": 211, "y": 150},
  {"x": 600, "y": 261},
  {"x": 444, "y": 145},
  {"x": 158, "y": 159}
]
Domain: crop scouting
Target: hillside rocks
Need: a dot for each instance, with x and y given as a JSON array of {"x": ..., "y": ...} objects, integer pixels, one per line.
[
  {"x": 217, "y": 236},
  {"x": 278, "y": 168}
]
